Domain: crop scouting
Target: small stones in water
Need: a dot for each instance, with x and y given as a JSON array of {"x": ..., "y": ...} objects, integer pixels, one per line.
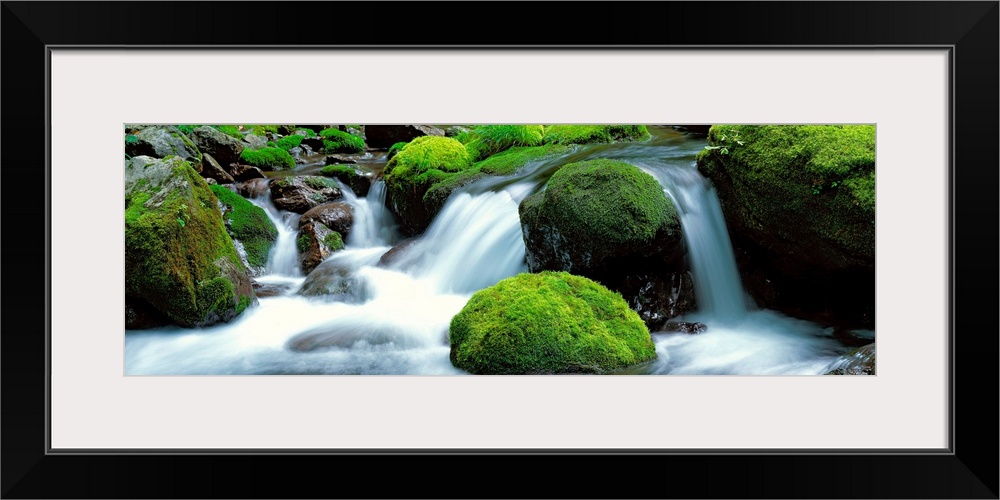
[
  {"x": 269, "y": 289},
  {"x": 684, "y": 327}
]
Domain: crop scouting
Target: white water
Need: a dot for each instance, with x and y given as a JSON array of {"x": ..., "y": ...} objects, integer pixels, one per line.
[{"x": 400, "y": 325}]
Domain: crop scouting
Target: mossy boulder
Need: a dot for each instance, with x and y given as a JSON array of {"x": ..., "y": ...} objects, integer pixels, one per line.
[
  {"x": 163, "y": 141},
  {"x": 300, "y": 193},
  {"x": 224, "y": 148},
  {"x": 799, "y": 202},
  {"x": 315, "y": 243},
  {"x": 267, "y": 158},
  {"x": 611, "y": 222},
  {"x": 179, "y": 259},
  {"x": 550, "y": 322},
  {"x": 587, "y": 134},
  {"x": 338, "y": 141},
  {"x": 424, "y": 162},
  {"x": 248, "y": 226},
  {"x": 597, "y": 217}
]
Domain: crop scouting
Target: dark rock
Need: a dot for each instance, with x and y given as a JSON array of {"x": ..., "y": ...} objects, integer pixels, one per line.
[
  {"x": 159, "y": 142},
  {"x": 301, "y": 193},
  {"x": 269, "y": 289},
  {"x": 212, "y": 170},
  {"x": 384, "y": 136},
  {"x": 390, "y": 257},
  {"x": 223, "y": 148},
  {"x": 657, "y": 296},
  {"x": 683, "y": 327},
  {"x": 694, "y": 129},
  {"x": 252, "y": 188},
  {"x": 313, "y": 143},
  {"x": 338, "y": 159},
  {"x": 243, "y": 172},
  {"x": 139, "y": 315},
  {"x": 315, "y": 243},
  {"x": 337, "y": 216}
]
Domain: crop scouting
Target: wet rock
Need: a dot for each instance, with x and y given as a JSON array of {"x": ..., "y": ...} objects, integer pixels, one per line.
[
  {"x": 332, "y": 281},
  {"x": 348, "y": 334},
  {"x": 223, "y": 148},
  {"x": 657, "y": 297},
  {"x": 255, "y": 141},
  {"x": 684, "y": 327},
  {"x": 337, "y": 216},
  {"x": 392, "y": 256},
  {"x": 139, "y": 315},
  {"x": 252, "y": 188},
  {"x": 315, "y": 243},
  {"x": 338, "y": 159},
  {"x": 301, "y": 193},
  {"x": 860, "y": 361},
  {"x": 243, "y": 172},
  {"x": 269, "y": 289},
  {"x": 694, "y": 129},
  {"x": 384, "y": 136}
]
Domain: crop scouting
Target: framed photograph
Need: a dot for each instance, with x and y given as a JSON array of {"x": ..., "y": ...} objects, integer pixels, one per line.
[{"x": 454, "y": 187}]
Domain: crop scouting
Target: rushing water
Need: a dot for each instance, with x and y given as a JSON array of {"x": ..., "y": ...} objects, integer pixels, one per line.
[{"x": 399, "y": 321}]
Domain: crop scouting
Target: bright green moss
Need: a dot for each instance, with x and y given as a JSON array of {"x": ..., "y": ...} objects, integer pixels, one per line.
[
  {"x": 306, "y": 132},
  {"x": 488, "y": 140},
  {"x": 261, "y": 130},
  {"x": 394, "y": 149},
  {"x": 348, "y": 175},
  {"x": 230, "y": 130},
  {"x": 247, "y": 223},
  {"x": 606, "y": 201},
  {"x": 176, "y": 246},
  {"x": 187, "y": 129},
  {"x": 426, "y": 160},
  {"x": 509, "y": 161},
  {"x": 268, "y": 158},
  {"x": 550, "y": 322},
  {"x": 289, "y": 142},
  {"x": 586, "y": 134},
  {"x": 338, "y": 141},
  {"x": 303, "y": 242},
  {"x": 334, "y": 241}
]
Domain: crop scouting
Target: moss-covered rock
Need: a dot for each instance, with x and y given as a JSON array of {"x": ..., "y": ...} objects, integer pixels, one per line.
[
  {"x": 300, "y": 193},
  {"x": 315, "y": 243},
  {"x": 395, "y": 148},
  {"x": 267, "y": 158},
  {"x": 586, "y": 134},
  {"x": 424, "y": 162},
  {"x": 550, "y": 322},
  {"x": 799, "y": 202},
  {"x": 487, "y": 140},
  {"x": 596, "y": 216},
  {"x": 163, "y": 141},
  {"x": 249, "y": 226},
  {"x": 179, "y": 258},
  {"x": 350, "y": 176},
  {"x": 338, "y": 141},
  {"x": 288, "y": 142}
]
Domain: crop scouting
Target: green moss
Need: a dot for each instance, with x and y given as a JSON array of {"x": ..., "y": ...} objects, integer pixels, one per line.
[
  {"x": 342, "y": 172},
  {"x": 268, "y": 158},
  {"x": 230, "y": 130},
  {"x": 338, "y": 141},
  {"x": 394, "y": 149},
  {"x": 303, "y": 242},
  {"x": 551, "y": 322},
  {"x": 244, "y": 303},
  {"x": 261, "y": 130},
  {"x": 607, "y": 201},
  {"x": 586, "y": 134},
  {"x": 175, "y": 267},
  {"x": 306, "y": 132},
  {"x": 334, "y": 241},
  {"x": 187, "y": 129},
  {"x": 509, "y": 161},
  {"x": 289, "y": 142},
  {"x": 249, "y": 224},
  {"x": 488, "y": 140}
]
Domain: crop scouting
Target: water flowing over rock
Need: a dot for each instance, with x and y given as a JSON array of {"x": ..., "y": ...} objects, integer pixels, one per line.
[
  {"x": 337, "y": 216},
  {"x": 860, "y": 361}
]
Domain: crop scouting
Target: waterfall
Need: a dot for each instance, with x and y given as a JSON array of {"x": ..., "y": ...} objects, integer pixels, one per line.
[
  {"x": 373, "y": 224},
  {"x": 284, "y": 258},
  {"x": 718, "y": 287}
]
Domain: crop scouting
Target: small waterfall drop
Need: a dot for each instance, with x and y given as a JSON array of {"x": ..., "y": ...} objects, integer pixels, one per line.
[
  {"x": 718, "y": 287},
  {"x": 284, "y": 258},
  {"x": 373, "y": 224}
]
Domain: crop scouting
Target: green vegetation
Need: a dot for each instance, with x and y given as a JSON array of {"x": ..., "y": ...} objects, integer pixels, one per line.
[
  {"x": 247, "y": 223},
  {"x": 318, "y": 183},
  {"x": 550, "y": 322},
  {"x": 338, "y": 141},
  {"x": 600, "y": 203},
  {"x": 187, "y": 129},
  {"x": 178, "y": 255},
  {"x": 268, "y": 158},
  {"x": 585, "y": 134},
  {"x": 288, "y": 142},
  {"x": 487, "y": 140},
  {"x": 230, "y": 130},
  {"x": 306, "y": 132},
  {"x": 261, "y": 130},
  {"x": 334, "y": 241},
  {"x": 394, "y": 149}
]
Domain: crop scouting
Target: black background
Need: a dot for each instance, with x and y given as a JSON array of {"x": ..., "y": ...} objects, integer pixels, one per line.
[{"x": 971, "y": 472}]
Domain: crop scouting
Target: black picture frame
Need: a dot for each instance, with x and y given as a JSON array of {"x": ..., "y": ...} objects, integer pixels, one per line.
[{"x": 969, "y": 470}]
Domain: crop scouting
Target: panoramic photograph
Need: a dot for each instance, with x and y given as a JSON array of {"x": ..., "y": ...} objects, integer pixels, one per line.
[{"x": 511, "y": 249}]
